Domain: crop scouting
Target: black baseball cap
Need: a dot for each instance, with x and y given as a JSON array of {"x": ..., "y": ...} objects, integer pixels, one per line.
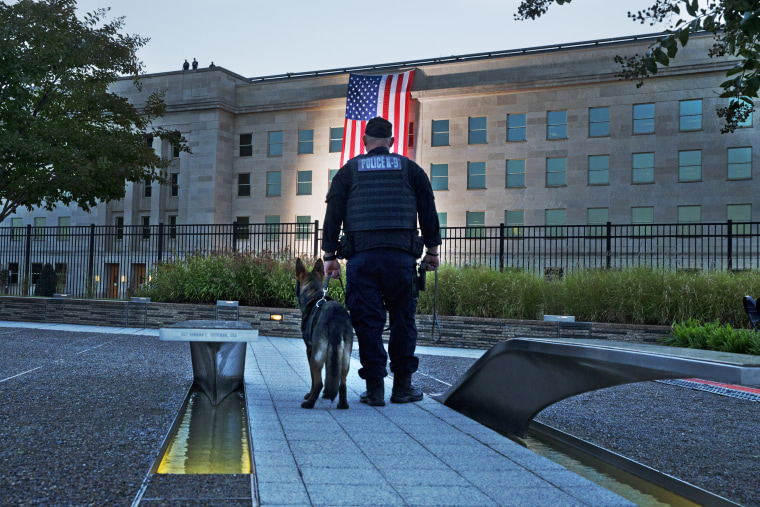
[{"x": 379, "y": 127}]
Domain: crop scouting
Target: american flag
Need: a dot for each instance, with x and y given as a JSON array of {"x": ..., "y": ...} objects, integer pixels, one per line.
[{"x": 371, "y": 96}]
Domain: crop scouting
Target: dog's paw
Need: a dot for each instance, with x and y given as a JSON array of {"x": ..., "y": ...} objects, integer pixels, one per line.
[
  {"x": 343, "y": 405},
  {"x": 306, "y": 396},
  {"x": 308, "y": 404}
]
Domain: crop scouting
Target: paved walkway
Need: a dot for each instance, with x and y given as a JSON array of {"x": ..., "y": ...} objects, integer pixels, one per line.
[{"x": 413, "y": 454}]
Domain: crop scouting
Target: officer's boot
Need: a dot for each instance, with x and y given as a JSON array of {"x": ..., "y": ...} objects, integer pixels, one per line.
[
  {"x": 374, "y": 396},
  {"x": 403, "y": 390}
]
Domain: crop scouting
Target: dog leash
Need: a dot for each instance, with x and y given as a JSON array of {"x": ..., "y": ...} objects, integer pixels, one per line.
[{"x": 324, "y": 292}]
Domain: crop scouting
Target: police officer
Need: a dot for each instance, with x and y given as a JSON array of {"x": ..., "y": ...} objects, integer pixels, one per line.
[{"x": 377, "y": 198}]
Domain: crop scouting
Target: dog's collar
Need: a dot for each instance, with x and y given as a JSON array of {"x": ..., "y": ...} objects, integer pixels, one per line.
[{"x": 310, "y": 312}]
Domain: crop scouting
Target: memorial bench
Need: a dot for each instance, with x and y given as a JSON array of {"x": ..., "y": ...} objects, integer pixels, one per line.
[{"x": 516, "y": 379}]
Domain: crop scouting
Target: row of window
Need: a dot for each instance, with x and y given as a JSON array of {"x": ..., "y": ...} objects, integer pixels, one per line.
[
  {"x": 305, "y": 142},
  {"x": 642, "y": 218},
  {"x": 173, "y": 186},
  {"x": 690, "y": 119},
  {"x": 39, "y": 229},
  {"x": 739, "y": 167},
  {"x": 36, "y": 268}
]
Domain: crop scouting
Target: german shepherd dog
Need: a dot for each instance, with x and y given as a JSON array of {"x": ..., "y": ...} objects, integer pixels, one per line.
[{"x": 328, "y": 334}]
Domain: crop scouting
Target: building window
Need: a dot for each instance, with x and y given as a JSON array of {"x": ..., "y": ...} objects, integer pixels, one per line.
[
  {"x": 119, "y": 227},
  {"x": 175, "y": 151},
  {"x": 748, "y": 120},
  {"x": 147, "y": 187},
  {"x": 642, "y": 168},
  {"x": 599, "y": 122},
  {"x": 476, "y": 220},
  {"x": 439, "y": 176},
  {"x": 555, "y": 220},
  {"x": 306, "y": 142},
  {"x": 17, "y": 229},
  {"x": 689, "y": 215},
  {"x": 690, "y": 165},
  {"x": 244, "y": 185},
  {"x": 514, "y": 220},
  {"x": 174, "y": 184},
  {"x": 273, "y": 227},
  {"x": 145, "y": 227},
  {"x": 172, "y": 226},
  {"x": 515, "y": 174},
  {"x": 246, "y": 145},
  {"x": 690, "y": 115},
  {"x": 303, "y": 183},
  {"x": 410, "y": 135},
  {"x": 643, "y": 118},
  {"x": 555, "y": 172},
  {"x": 739, "y": 163},
  {"x": 303, "y": 227},
  {"x": 556, "y": 125},
  {"x": 739, "y": 213},
  {"x": 242, "y": 229},
  {"x": 516, "y": 126},
  {"x": 476, "y": 131},
  {"x": 64, "y": 228},
  {"x": 274, "y": 148},
  {"x": 13, "y": 272},
  {"x": 599, "y": 170},
  {"x": 476, "y": 175},
  {"x": 443, "y": 223},
  {"x": 274, "y": 184},
  {"x": 38, "y": 234},
  {"x": 440, "y": 133},
  {"x": 336, "y": 139},
  {"x": 642, "y": 219},
  {"x": 330, "y": 175},
  {"x": 597, "y": 217}
]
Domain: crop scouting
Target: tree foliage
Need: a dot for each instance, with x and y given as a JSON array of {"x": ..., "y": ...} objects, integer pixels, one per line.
[
  {"x": 735, "y": 23},
  {"x": 64, "y": 137}
]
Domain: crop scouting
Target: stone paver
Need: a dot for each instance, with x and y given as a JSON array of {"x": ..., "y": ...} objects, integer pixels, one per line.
[{"x": 414, "y": 454}]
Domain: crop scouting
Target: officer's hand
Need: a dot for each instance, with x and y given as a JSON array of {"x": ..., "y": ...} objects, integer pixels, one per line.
[
  {"x": 431, "y": 261},
  {"x": 332, "y": 268}
]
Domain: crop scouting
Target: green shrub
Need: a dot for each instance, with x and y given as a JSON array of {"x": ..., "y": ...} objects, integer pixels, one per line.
[{"x": 713, "y": 336}]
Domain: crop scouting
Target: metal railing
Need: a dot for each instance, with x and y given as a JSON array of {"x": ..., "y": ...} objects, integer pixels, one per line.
[{"x": 114, "y": 261}]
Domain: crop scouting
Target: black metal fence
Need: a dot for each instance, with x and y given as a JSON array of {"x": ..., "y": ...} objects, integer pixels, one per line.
[{"x": 114, "y": 261}]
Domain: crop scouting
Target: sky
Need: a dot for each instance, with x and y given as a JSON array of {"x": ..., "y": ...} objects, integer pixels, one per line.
[{"x": 256, "y": 38}]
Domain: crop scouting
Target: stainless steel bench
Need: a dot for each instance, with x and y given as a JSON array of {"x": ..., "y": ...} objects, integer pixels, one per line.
[{"x": 516, "y": 379}]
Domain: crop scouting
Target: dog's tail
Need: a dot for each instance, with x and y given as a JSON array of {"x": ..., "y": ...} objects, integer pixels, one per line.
[{"x": 336, "y": 363}]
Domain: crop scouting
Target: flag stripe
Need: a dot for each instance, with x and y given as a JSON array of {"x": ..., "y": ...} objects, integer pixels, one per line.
[{"x": 369, "y": 96}]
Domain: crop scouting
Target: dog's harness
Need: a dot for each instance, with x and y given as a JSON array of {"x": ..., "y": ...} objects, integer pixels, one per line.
[{"x": 309, "y": 319}]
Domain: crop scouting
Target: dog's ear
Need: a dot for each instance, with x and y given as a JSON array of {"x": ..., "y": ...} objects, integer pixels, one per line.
[
  {"x": 319, "y": 268},
  {"x": 301, "y": 273}
]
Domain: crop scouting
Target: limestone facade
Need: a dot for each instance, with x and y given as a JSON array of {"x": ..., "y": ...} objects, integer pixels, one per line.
[{"x": 245, "y": 135}]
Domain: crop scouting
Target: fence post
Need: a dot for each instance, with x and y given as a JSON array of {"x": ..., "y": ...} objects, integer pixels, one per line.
[
  {"x": 160, "y": 241},
  {"x": 90, "y": 260},
  {"x": 730, "y": 246},
  {"x": 234, "y": 236},
  {"x": 27, "y": 261},
  {"x": 501, "y": 246},
  {"x": 316, "y": 238},
  {"x": 608, "y": 255}
]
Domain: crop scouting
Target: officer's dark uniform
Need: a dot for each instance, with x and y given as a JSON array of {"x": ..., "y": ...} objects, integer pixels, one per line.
[{"x": 377, "y": 198}]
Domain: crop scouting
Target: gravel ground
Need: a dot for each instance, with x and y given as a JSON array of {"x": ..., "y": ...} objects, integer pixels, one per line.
[
  {"x": 705, "y": 439},
  {"x": 77, "y": 430}
]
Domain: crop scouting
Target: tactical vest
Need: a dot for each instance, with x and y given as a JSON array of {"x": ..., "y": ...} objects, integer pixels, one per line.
[{"x": 381, "y": 195}]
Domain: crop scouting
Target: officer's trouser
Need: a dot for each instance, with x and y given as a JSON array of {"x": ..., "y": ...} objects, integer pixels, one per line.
[{"x": 377, "y": 280}]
